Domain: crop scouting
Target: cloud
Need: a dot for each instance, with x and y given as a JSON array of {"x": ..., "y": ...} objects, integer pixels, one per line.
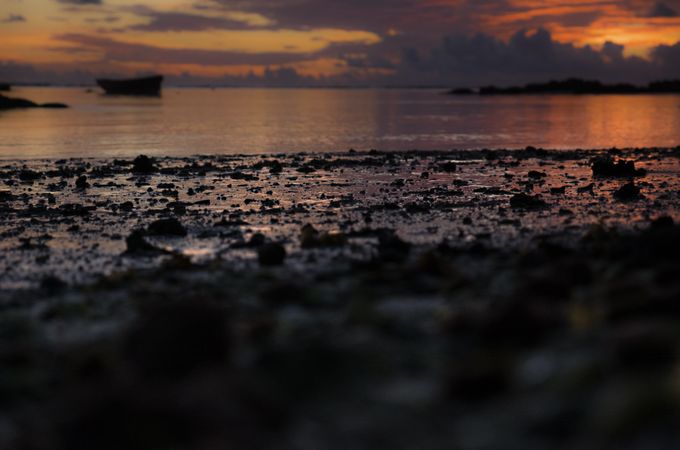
[
  {"x": 456, "y": 60},
  {"x": 667, "y": 57},
  {"x": 483, "y": 59},
  {"x": 13, "y": 18},
  {"x": 662, "y": 10},
  {"x": 81, "y": 2},
  {"x": 117, "y": 51},
  {"x": 182, "y": 21}
]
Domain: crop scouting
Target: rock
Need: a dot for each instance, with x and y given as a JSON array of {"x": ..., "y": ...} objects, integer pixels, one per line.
[
  {"x": 606, "y": 167},
  {"x": 29, "y": 175},
  {"x": 143, "y": 164},
  {"x": 81, "y": 182},
  {"x": 524, "y": 201},
  {"x": 272, "y": 254},
  {"x": 54, "y": 105},
  {"x": 15, "y": 103},
  {"x": 586, "y": 189},
  {"x": 256, "y": 240},
  {"x": 310, "y": 238},
  {"x": 663, "y": 222},
  {"x": 627, "y": 192},
  {"x": 52, "y": 284},
  {"x": 6, "y": 195},
  {"x": 75, "y": 209},
  {"x": 19, "y": 103},
  {"x": 137, "y": 244},
  {"x": 448, "y": 167},
  {"x": 167, "y": 227},
  {"x": 536, "y": 174}
]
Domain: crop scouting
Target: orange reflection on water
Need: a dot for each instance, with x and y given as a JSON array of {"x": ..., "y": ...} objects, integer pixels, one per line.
[{"x": 228, "y": 121}]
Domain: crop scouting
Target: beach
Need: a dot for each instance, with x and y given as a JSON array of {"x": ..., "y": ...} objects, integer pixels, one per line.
[{"x": 410, "y": 299}]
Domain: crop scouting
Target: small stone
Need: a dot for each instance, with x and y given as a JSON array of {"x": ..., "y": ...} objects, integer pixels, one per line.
[
  {"x": 448, "y": 167},
  {"x": 257, "y": 240},
  {"x": 137, "y": 244},
  {"x": 167, "y": 227},
  {"x": 143, "y": 164},
  {"x": 524, "y": 201},
  {"x": 537, "y": 175},
  {"x": 607, "y": 167},
  {"x": 272, "y": 254},
  {"x": 81, "y": 182},
  {"x": 627, "y": 192}
]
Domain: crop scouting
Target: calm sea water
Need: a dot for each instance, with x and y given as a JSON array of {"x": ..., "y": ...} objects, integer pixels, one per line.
[{"x": 205, "y": 121}]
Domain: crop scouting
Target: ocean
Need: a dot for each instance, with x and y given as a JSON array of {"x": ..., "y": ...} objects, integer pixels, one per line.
[{"x": 194, "y": 121}]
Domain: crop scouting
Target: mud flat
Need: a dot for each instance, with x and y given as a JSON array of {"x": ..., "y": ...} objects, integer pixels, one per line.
[{"x": 472, "y": 299}]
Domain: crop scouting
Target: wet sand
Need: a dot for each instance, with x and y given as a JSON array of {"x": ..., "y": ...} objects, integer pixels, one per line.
[{"x": 472, "y": 299}]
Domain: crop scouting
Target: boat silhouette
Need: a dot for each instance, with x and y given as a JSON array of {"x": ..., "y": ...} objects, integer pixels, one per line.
[{"x": 132, "y": 86}]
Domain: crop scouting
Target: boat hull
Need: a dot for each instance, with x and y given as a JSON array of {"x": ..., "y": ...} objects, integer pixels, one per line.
[{"x": 133, "y": 86}]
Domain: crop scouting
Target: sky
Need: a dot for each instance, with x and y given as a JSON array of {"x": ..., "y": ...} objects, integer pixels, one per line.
[{"x": 340, "y": 42}]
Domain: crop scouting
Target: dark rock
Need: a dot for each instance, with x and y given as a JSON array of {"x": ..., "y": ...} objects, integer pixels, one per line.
[
  {"x": 310, "y": 238},
  {"x": 272, "y": 254},
  {"x": 18, "y": 103},
  {"x": 275, "y": 167},
  {"x": 137, "y": 244},
  {"x": 536, "y": 174},
  {"x": 663, "y": 222},
  {"x": 81, "y": 182},
  {"x": 306, "y": 169},
  {"x": 448, "y": 167},
  {"x": 627, "y": 192},
  {"x": 143, "y": 164},
  {"x": 586, "y": 189},
  {"x": 15, "y": 103},
  {"x": 54, "y": 105},
  {"x": 29, "y": 175},
  {"x": 52, "y": 284},
  {"x": 524, "y": 201},
  {"x": 257, "y": 240},
  {"x": 607, "y": 167},
  {"x": 76, "y": 209},
  {"x": 167, "y": 227}
]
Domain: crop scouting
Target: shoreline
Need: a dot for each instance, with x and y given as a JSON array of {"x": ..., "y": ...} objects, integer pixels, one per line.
[{"x": 345, "y": 300}]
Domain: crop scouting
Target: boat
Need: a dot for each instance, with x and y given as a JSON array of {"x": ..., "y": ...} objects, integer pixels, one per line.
[
  {"x": 132, "y": 86},
  {"x": 4, "y": 87}
]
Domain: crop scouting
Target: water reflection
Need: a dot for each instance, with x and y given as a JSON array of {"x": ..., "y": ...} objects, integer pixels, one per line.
[{"x": 200, "y": 121}]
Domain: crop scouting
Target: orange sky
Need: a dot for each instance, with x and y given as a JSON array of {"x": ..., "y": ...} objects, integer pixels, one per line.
[{"x": 214, "y": 37}]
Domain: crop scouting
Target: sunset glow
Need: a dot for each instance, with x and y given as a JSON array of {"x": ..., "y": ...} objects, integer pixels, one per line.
[{"x": 318, "y": 39}]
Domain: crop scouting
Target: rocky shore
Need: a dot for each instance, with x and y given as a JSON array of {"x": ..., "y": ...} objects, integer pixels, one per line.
[{"x": 435, "y": 300}]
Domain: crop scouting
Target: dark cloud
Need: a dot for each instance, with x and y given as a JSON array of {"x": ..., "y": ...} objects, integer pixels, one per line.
[
  {"x": 172, "y": 21},
  {"x": 13, "y": 18},
  {"x": 456, "y": 60},
  {"x": 667, "y": 58},
  {"x": 81, "y": 2},
  {"x": 662, "y": 10},
  {"x": 116, "y": 51},
  {"x": 482, "y": 59},
  {"x": 371, "y": 15}
]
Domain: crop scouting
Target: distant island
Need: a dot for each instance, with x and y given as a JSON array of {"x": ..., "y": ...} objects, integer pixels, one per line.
[{"x": 575, "y": 86}]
